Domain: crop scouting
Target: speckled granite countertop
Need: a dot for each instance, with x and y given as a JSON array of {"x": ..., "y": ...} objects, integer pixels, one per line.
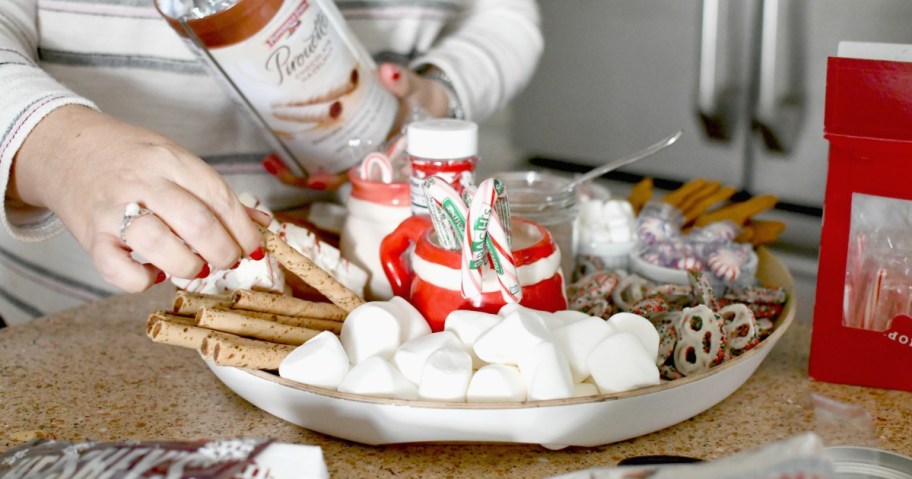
[{"x": 90, "y": 373}]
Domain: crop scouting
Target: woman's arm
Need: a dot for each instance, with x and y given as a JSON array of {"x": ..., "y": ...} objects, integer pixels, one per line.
[{"x": 489, "y": 53}]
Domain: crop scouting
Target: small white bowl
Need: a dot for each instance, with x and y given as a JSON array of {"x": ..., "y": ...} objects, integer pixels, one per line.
[{"x": 656, "y": 273}]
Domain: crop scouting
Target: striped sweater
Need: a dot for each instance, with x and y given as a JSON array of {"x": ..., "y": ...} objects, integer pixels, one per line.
[{"x": 121, "y": 57}]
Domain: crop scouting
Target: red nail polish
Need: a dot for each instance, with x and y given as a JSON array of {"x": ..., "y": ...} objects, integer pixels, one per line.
[
  {"x": 203, "y": 272},
  {"x": 335, "y": 109},
  {"x": 236, "y": 265},
  {"x": 257, "y": 254},
  {"x": 161, "y": 277},
  {"x": 271, "y": 164}
]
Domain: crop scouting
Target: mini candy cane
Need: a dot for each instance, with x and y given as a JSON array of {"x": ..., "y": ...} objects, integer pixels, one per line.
[
  {"x": 481, "y": 206},
  {"x": 454, "y": 210},
  {"x": 379, "y": 162},
  {"x": 502, "y": 260},
  {"x": 446, "y": 235},
  {"x": 475, "y": 238}
]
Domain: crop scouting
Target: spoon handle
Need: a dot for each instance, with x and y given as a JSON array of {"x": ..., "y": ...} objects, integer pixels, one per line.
[{"x": 613, "y": 165}]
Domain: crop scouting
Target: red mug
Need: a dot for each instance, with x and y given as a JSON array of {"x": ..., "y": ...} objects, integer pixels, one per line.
[{"x": 431, "y": 278}]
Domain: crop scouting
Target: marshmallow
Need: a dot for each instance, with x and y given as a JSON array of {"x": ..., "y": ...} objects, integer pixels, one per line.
[
  {"x": 509, "y": 308},
  {"x": 375, "y": 376},
  {"x": 621, "y": 363},
  {"x": 412, "y": 321},
  {"x": 321, "y": 361},
  {"x": 371, "y": 329},
  {"x": 585, "y": 389},
  {"x": 468, "y": 326},
  {"x": 446, "y": 375},
  {"x": 546, "y": 372},
  {"x": 411, "y": 356},
  {"x": 641, "y": 327},
  {"x": 497, "y": 383},
  {"x": 577, "y": 340},
  {"x": 590, "y": 212},
  {"x": 511, "y": 338},
  {"x": 569, "y": 316}
]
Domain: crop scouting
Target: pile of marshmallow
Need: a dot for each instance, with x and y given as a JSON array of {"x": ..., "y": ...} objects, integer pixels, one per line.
[
  {"x": 606, "y": 222},
  {"x": 386, "y": 349}
]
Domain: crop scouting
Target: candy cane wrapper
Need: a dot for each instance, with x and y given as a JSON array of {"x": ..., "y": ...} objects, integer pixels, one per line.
[
  {"x": 475, "y": 237},
  {"x": 481, "y": 206},
  {"x": 446, "y": 233},
  {"x": 502, "y": 260},
  {"x": 441, "y": 192},
  {"x": 502, "y": 208}
]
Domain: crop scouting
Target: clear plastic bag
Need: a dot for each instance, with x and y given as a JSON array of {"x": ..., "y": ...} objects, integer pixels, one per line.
[{"x": 878, "y": 282}]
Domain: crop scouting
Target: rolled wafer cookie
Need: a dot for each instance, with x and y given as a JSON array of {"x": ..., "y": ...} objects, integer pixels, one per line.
[
  {"x": 330, "y": 325},
  {"x": 250, "y": 327},
  {"x": 738, "y": 213},
  {"x": 701, "y": 206},
  {"x": 285, "y": 305},
  {"x": 187, "y": 303},
  {"x": 309, "y": 272},
  {"x": 692, "y": 199},
  {"x": 166, "y": 328},
  {"x": 675, "y": 197},
  {"x": 765, "y": 231},
  {"x": 243, "y": 352},
  {"x": 640, "y": 194}
]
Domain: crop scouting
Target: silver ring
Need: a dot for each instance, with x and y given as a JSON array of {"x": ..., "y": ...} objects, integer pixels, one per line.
[{"x": 132, "y": 212}]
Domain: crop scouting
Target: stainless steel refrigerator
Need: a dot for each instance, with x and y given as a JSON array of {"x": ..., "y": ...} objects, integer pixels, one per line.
[{"x": 744, "y": 79}]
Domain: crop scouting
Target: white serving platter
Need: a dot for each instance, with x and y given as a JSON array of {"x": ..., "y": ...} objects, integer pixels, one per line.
[{"x": 584, "y": 421}]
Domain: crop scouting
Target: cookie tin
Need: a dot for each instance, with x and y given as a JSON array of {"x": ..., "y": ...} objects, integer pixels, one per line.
[{"x": 853, "y": 462}]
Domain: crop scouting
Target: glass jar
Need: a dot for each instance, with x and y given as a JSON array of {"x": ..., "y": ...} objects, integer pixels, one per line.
[{"x": 540, "y": 197}]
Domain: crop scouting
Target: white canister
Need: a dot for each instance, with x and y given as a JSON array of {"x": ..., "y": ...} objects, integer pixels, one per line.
[{"x": 375, "y": 209}]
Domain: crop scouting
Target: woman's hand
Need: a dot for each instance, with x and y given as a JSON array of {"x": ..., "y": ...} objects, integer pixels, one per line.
[
  {"x": 86, "y": 167},
  {"x": 414, "y": 92}
]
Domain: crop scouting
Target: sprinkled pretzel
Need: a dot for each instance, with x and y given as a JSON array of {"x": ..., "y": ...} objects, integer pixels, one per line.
[
  {"x": 701, "y": 342},
  {"x": 600, "y": 307},
  {"x": 630, "y": 290},
  {"x": 594, "y": 285},
  {"x": 666, "y": 325},
  {"x": 586, "y": 265},
  {"x": 740, "y": 328},
  {"x": 676, "y": 295},
  {"x": 757, "y": 294},
  {"x": 650, "y": 308},
  {"x": 668, "y": 371},
  {"x": 701, "y": 289}
]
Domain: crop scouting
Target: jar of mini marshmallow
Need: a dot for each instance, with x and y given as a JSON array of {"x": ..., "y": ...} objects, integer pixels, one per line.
[{"x": 607, "y": 232}]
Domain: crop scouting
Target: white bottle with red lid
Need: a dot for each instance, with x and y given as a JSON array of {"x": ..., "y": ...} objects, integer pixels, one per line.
[{"x": 446, "y": 148}]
